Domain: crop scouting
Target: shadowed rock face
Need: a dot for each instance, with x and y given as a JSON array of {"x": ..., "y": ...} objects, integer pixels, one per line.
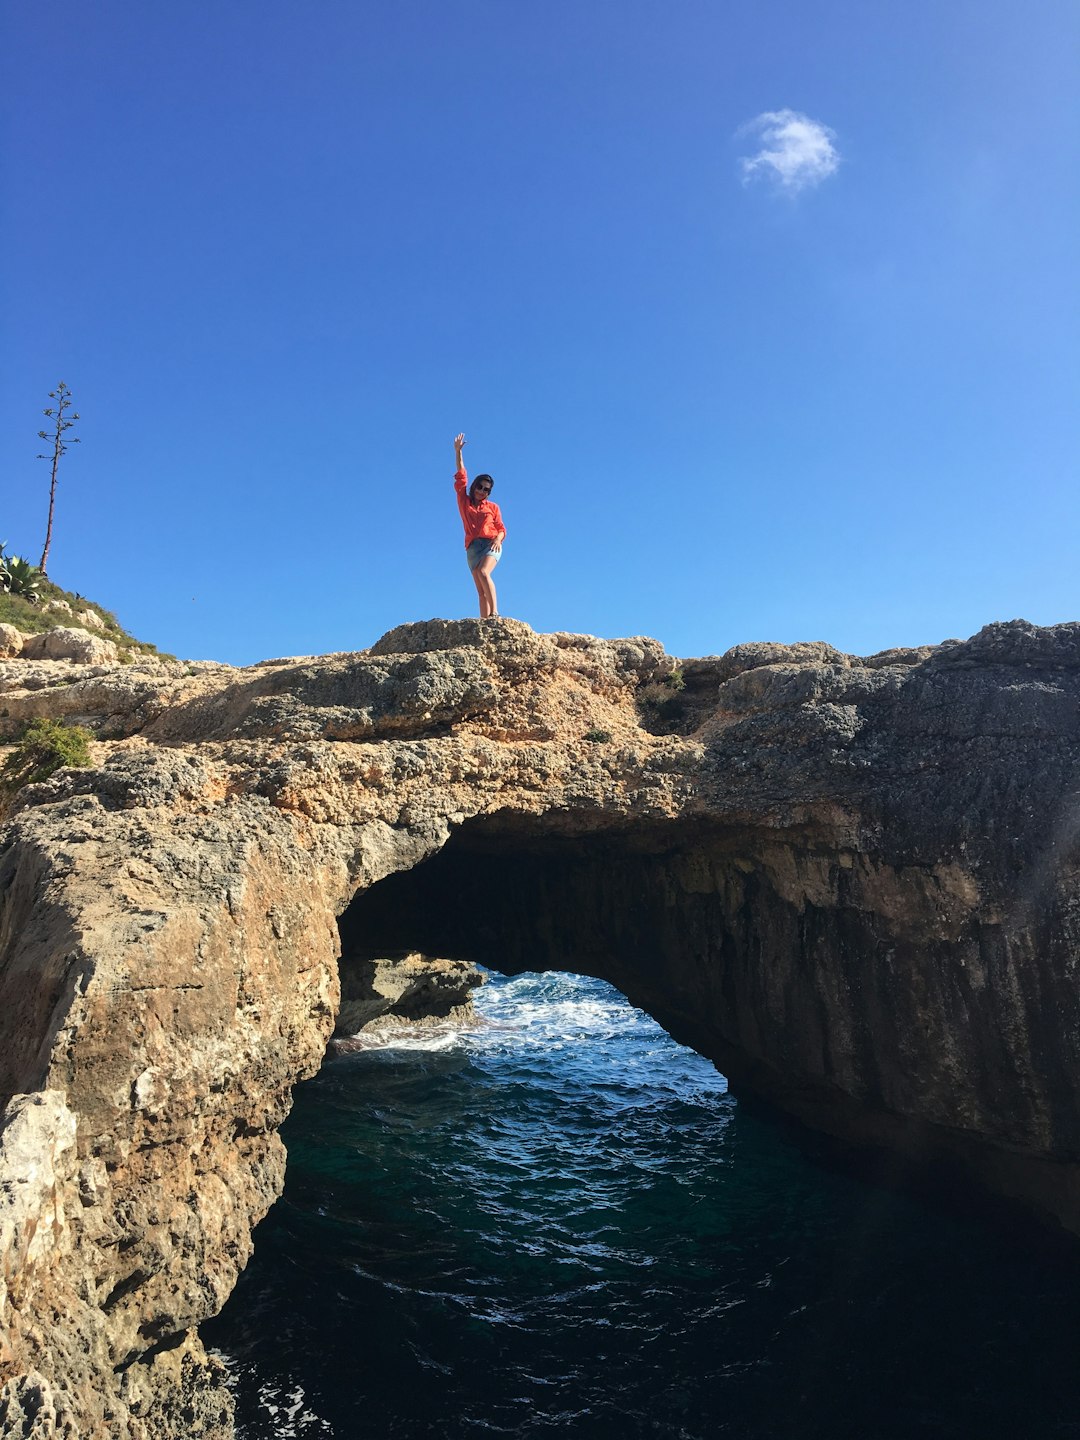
[
  {"x": 852, "y": 883},
  {"x": 386, "y": 992}
]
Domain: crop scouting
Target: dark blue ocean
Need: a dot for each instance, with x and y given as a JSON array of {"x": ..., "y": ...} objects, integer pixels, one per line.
[{"x": 560, "y": 1223}]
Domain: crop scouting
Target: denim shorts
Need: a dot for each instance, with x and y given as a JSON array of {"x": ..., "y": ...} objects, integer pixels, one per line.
[{"x": 479, "y": 550}]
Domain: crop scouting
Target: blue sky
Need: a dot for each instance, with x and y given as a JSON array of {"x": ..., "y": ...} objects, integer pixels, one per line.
[{"x": 283, "y": 252}]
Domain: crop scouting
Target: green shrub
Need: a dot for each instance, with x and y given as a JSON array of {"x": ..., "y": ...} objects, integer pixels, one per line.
[
  {"x": 661, "y": 691},
  {"x": 598, "y": 737},
  {"x": 661, "y": 702},
  {"x": 45, "y": 747},
  {"x": 33, "y": 616}
]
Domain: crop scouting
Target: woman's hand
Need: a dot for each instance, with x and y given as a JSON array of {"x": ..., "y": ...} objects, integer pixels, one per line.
[{"x": 459, "y": 441}]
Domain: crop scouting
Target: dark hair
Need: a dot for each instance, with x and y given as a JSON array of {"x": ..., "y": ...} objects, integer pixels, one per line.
[{"x": 476, "y": 481}]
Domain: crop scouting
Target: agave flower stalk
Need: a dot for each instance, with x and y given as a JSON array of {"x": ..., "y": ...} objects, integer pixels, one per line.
[{"x": 61, "y": 424}]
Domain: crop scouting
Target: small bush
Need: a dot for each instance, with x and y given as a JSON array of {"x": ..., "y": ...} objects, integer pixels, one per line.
[
  {"x": 46, "y": 746},
  {"x": 661, "y": 703},
  {"x": 663, "y": 689},
  {"x": 598, "y": 737}
]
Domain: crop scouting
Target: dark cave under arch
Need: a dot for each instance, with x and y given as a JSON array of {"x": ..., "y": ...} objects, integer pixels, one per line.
[
  {"x": 688, "y": 920},
  {"x": 754, "y": 946}
]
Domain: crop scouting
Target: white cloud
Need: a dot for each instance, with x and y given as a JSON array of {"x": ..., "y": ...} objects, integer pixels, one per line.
[{"x": 796, "y": 152}]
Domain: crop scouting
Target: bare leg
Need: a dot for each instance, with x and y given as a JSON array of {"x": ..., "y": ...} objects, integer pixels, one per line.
[
  {"x": 481, "y": 590},
  {"x": 485, "y": 586}
]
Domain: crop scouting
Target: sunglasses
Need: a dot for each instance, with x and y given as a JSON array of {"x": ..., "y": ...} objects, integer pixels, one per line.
[{"x": 482, "y": 489}]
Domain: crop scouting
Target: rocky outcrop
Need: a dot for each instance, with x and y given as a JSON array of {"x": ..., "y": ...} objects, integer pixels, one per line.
[
  {"x": 67, "y": 643},
  {"x": 11, "y": 642},
  {"x": 408, "y": 990},
  {"x": 852, "y": 882},
  {"x": 70, "y": 642}
]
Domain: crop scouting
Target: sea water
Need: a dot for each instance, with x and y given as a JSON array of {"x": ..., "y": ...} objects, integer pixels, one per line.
[{"x": 560, "y": 1223}]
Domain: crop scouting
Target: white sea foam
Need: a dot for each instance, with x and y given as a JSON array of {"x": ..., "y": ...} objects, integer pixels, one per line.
[
  {"x": 546, "y": 1008},
  {"x": 532, "y": 1009},
  {"x": 283, "y": 1406},
  {"x": 539, "y": 1014},
  {"x": 405, "y": 1037}
]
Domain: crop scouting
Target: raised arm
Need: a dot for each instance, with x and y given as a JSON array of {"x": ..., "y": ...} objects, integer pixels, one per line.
[{"x": 459, "y": 463}]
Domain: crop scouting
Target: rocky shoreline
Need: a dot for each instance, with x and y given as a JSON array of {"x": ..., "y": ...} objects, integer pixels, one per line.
[{"x": 852, "y": 882}]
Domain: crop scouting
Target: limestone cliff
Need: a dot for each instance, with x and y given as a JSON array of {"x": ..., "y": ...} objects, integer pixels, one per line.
[{"x": 853, "y": 883}]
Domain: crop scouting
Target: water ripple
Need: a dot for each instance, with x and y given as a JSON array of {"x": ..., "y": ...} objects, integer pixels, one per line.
[{"x": 560, "y": 1222}]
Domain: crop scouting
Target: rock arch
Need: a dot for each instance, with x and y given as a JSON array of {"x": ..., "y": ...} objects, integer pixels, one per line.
[{"x": 853, "y": 883}]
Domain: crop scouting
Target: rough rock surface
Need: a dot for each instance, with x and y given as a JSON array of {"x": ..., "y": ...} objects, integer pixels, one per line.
[
  {"x": 12, "y": 641},
  {"x": 412, "y": 990},
  {"x": 853, "y": 883},
  {"x": 65, "y": 643}
]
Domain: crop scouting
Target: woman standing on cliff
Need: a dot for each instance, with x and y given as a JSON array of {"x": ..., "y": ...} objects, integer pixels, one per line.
[{"x": 484, "y": 531}]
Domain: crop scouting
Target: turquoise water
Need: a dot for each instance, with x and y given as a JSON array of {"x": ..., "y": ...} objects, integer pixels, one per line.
[{"x": 561, "y": 1223}]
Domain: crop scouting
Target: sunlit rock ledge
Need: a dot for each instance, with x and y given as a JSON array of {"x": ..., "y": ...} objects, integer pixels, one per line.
[{"x": 850, "y": 882}]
